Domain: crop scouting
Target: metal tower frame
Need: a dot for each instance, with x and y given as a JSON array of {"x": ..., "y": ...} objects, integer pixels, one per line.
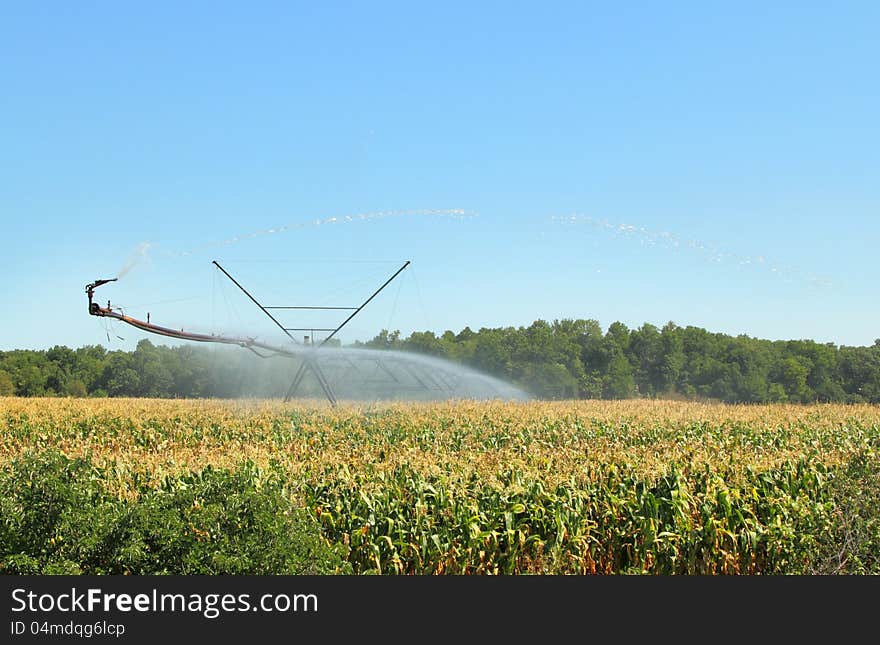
[{"x": 310, "y": 362}]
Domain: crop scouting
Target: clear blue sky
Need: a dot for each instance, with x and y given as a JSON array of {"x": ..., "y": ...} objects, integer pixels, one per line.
[{"x": 714, "y": 166}]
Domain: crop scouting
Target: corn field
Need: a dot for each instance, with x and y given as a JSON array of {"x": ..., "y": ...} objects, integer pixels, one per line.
[{"x": 634, "y": 487}]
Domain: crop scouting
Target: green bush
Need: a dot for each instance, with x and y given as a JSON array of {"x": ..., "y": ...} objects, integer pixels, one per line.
[
  {"x": 852, "y": 546},
  {"x": 56, "y": 517}
]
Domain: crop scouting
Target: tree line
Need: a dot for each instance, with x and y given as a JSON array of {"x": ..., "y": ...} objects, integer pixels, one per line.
[{"x": 563, "y": 359}]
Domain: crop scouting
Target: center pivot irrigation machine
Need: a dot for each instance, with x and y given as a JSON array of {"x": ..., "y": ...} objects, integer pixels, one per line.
[{"x": 373, "y": 371}]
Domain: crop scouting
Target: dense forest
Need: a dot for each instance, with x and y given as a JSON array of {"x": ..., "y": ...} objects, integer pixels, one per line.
[{"x": 564, "y": 359}]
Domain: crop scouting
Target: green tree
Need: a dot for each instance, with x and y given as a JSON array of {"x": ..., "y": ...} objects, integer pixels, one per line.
[
  {"x": 551, "y": 381},
  {"x": 491, "y": 354},
  {"x": 7, "y": 387},
  {"x": 673, "y": 358},
  {"x": 118, "y": 377},
  {"x": 619, "y": 382},
  {"x": 793, "y": 377},
  {"x": 30, "y": 381},
  {"x": 385, "y": 340},
  {"x": 75, "y": 387},
  {"x": 425, "y": 343},
  {"x": 645, "y": 352},
  {"x": 620, "y": 334}
]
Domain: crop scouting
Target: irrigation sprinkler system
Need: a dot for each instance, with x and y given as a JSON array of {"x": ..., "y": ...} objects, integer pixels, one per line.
[{"x": 389, "y": 369}]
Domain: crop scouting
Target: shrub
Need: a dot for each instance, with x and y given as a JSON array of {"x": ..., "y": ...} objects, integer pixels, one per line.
[
  {"x": 56, "y": 517},
  {"x": 852, "y": 547}
]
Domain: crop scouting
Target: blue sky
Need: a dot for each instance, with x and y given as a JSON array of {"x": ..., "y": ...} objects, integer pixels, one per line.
[{"x": 714, "y": 166}]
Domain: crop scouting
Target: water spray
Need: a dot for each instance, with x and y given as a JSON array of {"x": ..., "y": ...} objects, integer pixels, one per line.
[
  {"x": 429, "y": 374},
  {"x": 454, "y": 213},
  {"x": 668, "y": 240}
]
